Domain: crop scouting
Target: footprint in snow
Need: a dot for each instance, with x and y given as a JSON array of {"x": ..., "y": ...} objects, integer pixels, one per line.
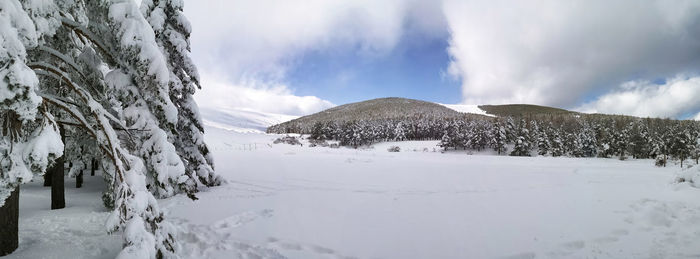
[
  {"x": 606, "y": 240},
  {"x": 295, "y": 246},
  {"x": 241, "y": 219},
  {"x": 575, "y": 245},
  {"x": 527, "y": 255}
]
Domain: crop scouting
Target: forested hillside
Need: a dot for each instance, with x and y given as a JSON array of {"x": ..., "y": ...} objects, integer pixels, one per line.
[
  {"x": 526, "y": 130},
  {"x": 521, "y": 110},
  {"x": 375, "y": 109}
]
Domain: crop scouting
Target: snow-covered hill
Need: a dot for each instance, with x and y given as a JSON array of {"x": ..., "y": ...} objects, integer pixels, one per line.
[
  {"x": 242, "y": 120},
  {"x": 373, "y": 110}
]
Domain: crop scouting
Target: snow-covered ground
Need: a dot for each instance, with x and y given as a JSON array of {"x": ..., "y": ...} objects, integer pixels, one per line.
[
  {"x": 468, "y": 108},
  {"x": 286, "y": 201}
]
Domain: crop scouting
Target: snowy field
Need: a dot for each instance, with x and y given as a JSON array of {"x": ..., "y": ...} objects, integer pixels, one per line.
[{"x": 287, "y": 201}]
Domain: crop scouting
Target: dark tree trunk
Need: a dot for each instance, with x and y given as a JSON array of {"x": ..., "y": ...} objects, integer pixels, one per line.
[
  {"x": 58, "y": 194},
  {"x": 9, "y": 224},
  {"x": 47, "y": 178},
  {"x": 93, "y": 167},
  {"x": 79, "y": 180}
]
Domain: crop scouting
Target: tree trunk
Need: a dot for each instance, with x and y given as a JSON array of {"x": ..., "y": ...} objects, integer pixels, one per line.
[
  {"x": 79, "y": 180},
  {"x": 93, "y": 167},
  {"x": 58, "y": 194},
  {"x": 665, "y": 160},
  {"x": 47, "y": 178},
  {"x": 9, "y": 224}
]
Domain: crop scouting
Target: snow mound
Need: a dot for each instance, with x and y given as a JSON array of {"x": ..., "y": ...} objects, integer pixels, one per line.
[{"x": 691, "y": 176}]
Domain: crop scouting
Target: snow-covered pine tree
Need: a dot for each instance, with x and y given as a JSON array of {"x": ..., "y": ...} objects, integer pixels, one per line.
[
  {"x": 399, "y": 132},
  {"x": 534, "y": 130},
  {"x": 542, "y": 140},
  {"x": 317, "y": 132},
  {"x": 352, "y": 134},
  {"x": 172, "y": 32},
  {"x": 587, "y": 141},
  {"x": 656, "y": 144},
  {"x": 695, "y": 153},
  {"x": 682, "y": 144},
  {"x": 522, "y": 143},
  {"x": 498, "y": 137},
  {"x": 640, "y": 143},
  {"x": 572, "y": 145},
  {"x": 480, "y": 136},
  {"x": 445, "y": 141},
  {"x": 556, "y": 143},
  {"x": 605, "y": 141},
  {"x": 510, "y": 130},
  {"x": 125, "y": 44},
  {"x": 621, "y": 142},
  {"x": 667, "y": 138},
  {"x": 29, "y": 139},
  {"x": 139, "y": 85}
]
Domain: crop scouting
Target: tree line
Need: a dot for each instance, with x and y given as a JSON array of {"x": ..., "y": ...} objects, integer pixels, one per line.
[{"x": 572, "y": 135}]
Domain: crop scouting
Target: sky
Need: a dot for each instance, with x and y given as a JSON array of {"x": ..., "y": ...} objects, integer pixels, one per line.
[{"x": 298, "y": 57}]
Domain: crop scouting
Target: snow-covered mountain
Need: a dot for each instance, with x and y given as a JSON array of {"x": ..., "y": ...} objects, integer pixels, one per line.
[{"x": 242, "y": 120}]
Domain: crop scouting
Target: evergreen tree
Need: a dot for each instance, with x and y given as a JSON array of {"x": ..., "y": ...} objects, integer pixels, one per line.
[
  {"x": 557, "y": 145},
  {"x": 543, "y": 146},
  {"x": 318, "y": 132},
  {"x": 172, "y": 32},
  {"x": 141, "y": 116},
  {"x": 445, "y": 141},
  {"x": 480, "y": 137},
  {"x": 29, "y": 139},
  {"x": 682, "y": 144},
  {"x": 587, "y": 141},
  {"x": 572, "y": 145},
  {"x": 695, "y": 153},
  {"x": 511, "y": 135},
  {"x": 640, "y": 143},
  {"x": 498, "y": 139},
  {"x": 522, "y": 144},
  {"x": 399, "y": 132}
]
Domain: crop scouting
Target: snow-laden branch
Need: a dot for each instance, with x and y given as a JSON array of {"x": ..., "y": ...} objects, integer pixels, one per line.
[
  {"x": 87, "y": 34},
  {"x": 68, "y": 60},
  {"x": 55, "y": 72},
  {"x": 136, "y": 211}
]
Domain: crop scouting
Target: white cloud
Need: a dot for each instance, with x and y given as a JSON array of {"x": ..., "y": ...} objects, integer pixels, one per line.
[
  {"x": 262, "y": 38},
  {"x": 256, "y": 95},
  {"x": 555, "y": 52},
  {"x": 250, "y": 45},
  {"x": 677, "y": 97}
]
